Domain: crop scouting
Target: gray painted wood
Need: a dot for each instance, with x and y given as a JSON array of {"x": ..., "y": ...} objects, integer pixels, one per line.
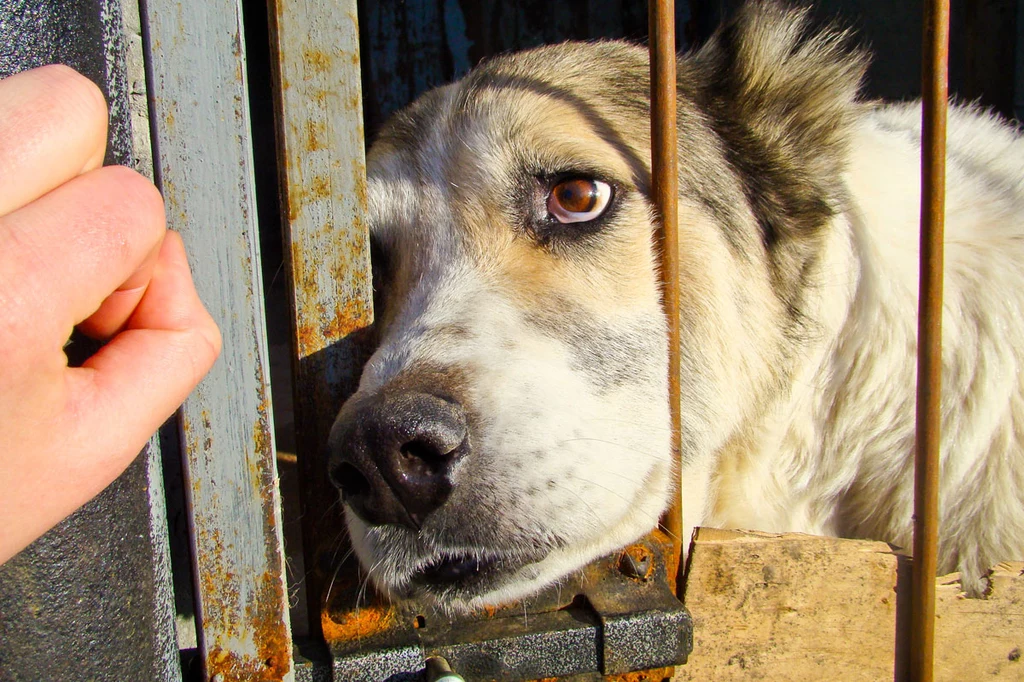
[
  {"x": 202, "y": 145},
  {"x": 323, "y": 178}
]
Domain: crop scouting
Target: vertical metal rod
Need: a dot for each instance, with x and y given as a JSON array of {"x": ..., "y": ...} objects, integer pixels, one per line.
[
  {"x": 929, "y": 353},
  {"x": 662, "y": 41}
]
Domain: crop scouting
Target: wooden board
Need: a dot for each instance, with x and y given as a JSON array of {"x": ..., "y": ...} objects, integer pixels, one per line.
[
  {"x": 798, "y": 607},
  {"x": 790, "y": 607},
  {"x": 979, "y": 639}
]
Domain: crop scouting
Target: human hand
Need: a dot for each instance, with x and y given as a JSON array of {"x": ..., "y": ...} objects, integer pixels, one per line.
[{"x": 82, "y": 245}]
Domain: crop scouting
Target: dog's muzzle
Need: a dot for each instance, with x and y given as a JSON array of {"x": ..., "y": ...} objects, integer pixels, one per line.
[{"x": 392, "y": 456}]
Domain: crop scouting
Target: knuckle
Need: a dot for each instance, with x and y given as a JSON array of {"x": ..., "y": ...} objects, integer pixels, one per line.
[
  {"x": 139, "y": 198},
  {"x": 77, "y": 93}
]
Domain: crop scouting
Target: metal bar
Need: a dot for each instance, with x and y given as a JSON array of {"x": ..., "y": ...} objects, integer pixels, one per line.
[
  {"x": 320, "y": 147},
  {"x": 200, "y": 120},
  {"x": 929, "y": 360},
  {"x": 614, "y": 617},
  {"x": 665, "y": 193}
]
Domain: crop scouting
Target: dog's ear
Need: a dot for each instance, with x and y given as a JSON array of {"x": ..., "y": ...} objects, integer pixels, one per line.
[{"x": 782, "y": 96}]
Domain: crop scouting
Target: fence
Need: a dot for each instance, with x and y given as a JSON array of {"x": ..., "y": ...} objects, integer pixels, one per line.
[{"x": 194, "y": 135}]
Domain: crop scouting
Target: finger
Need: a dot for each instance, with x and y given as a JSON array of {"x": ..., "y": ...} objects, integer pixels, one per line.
[
  {"x": 127, "y": 389},
  {"x": 53, "y": 126},
  {"x": 171, "y": 300},
  {"x": 119, "y": 306},
  {"x": 116, "y": 401},
  {"x": 67, "y": 251}
]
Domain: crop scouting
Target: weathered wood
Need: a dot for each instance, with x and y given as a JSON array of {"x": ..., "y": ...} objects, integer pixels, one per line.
[
  {"x": 981, "y": 638},
  {"x": 797, "y": 607},
  {"x": 204, "y": 157},
  {"x": 323, "y": 201},
  {"x": 790, "y": 607}
]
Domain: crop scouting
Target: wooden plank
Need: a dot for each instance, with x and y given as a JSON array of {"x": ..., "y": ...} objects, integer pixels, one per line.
[
  {"x": 981, "y": 638},
  {"x": 790, "y": 607},
  {"x": 797, "y": 607},
  {"x": 320, "y": 136},
  {"x": 203, "y": 149}
]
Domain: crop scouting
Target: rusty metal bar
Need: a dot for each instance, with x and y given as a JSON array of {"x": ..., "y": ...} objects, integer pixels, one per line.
[
  {"x": 323, "y": 203},
  {"x": 929, "y": 359},
  {"x": 200, "y": 122},
  {"x": 662, "y": 41}
]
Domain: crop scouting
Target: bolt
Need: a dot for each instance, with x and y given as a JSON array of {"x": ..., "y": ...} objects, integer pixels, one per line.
[
  {"x": 636, "y": 563},
  {"x": 438, "y": 670}
]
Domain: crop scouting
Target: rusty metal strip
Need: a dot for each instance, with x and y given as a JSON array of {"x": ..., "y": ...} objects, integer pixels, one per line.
[
  {"x": 320, "y": 148},
  {"x": 926, "y": 477},
  {"x": 200, "y": 122},
  {"x": 663, "y": 169},
  {"x": 615, "y": 617}
]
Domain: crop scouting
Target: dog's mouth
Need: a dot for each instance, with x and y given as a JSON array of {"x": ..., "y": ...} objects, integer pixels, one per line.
[{"x": 460, "y": 571}]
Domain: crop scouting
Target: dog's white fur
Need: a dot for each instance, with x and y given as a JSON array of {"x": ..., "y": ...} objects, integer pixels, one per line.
[
  {"x": 803, "y": 425},
  {"x": 835, "y": 456}
]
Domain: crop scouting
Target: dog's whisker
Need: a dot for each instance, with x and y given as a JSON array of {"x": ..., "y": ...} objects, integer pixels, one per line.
[{"x": 331, "y": 507}]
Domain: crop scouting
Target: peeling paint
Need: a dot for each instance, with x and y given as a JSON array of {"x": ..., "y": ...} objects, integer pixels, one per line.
[
  {"x": 272, "y": 660},
  {"x": 201, "y": 126},
  {"x": 324, "y": 191}
]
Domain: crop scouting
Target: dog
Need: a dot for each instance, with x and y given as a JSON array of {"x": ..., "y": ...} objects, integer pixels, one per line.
[{"x": 512, "y": 424}]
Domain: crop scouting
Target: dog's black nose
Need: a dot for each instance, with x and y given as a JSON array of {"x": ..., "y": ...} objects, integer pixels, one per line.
[{"x": 392, "y": 456}]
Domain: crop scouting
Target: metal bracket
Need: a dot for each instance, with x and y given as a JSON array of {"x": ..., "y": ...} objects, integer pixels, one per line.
[{"x": 617, "y": 615}]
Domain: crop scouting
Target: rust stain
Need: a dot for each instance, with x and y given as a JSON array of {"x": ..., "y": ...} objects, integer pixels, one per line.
[
  {"x": 247, "y": 633},
  {"x": 669, "y": 551},
  {"x": 327, "y": 315},
  {"x": 320, "y": 187},
  {"x": 320, "y": 96},
  {"x": 359, "y": 174},
  {"x": 357, "y": 624},
  {"x": 262, "y": 438},
  {"x": 640, "y": 554},
  {"x": 308, "y": 339},
  {"x": 317, "y": 60},
  {"x": 652, "y": 675},
  {"x": 352, "y": 316},
  {"x": 272, "y": 660},
  {"x": 316, "y": 134}
]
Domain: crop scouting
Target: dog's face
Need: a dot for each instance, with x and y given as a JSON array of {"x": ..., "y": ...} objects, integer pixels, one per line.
[{"x": 512, "y": 424}]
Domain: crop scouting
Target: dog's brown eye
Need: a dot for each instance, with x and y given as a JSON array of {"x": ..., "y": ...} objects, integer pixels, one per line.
[{"x": 578, "y": 200}]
